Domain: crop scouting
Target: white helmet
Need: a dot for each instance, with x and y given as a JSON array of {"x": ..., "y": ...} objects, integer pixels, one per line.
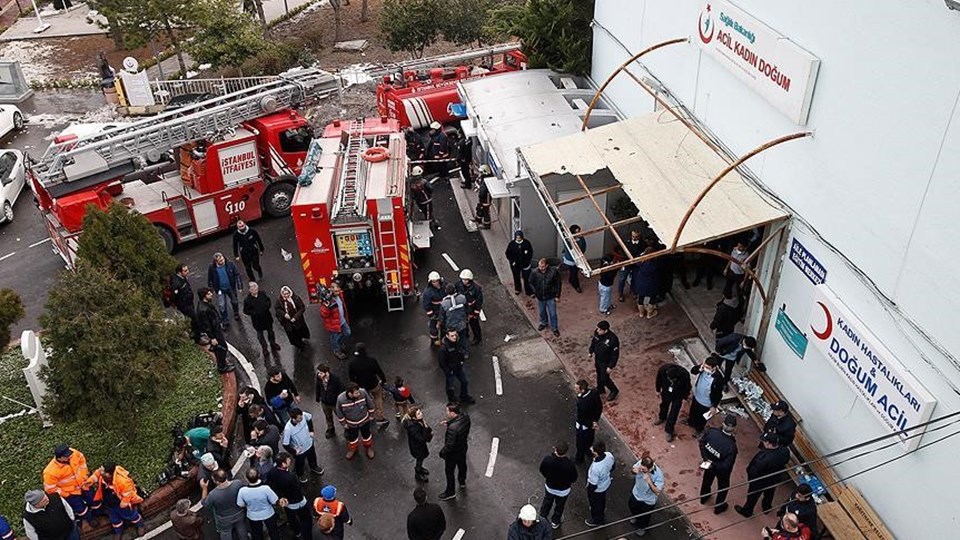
[
  {"x": 416, "y": 171},
  {"x": 466, "y": 274},
  {"x": 435, "y": 125},
  {"x": 528, "y": 513},
  {"x": 434, "y": 276}
]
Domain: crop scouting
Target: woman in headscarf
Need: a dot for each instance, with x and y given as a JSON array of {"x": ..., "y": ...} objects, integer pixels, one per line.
[{"x": 289, "y": 309}]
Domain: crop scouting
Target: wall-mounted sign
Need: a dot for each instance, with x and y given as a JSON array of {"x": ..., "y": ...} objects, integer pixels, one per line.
[
  {"x": 891, "y": 392},
  {"x": 238, "y": 163},
  {"x": 807, "y": 263},
  {"x": 794, "y": 338},
  {"x": 772, "y": 65}
]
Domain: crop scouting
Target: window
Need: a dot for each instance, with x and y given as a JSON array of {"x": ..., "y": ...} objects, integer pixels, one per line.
[
  {"x": 295, "y": 140},
  {"x": 7, "y": 162}
]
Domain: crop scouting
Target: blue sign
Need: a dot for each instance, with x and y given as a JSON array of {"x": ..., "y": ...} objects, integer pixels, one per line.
[
  {"x": 807, "y": 263},
  {"x": 792, "y": 335}
]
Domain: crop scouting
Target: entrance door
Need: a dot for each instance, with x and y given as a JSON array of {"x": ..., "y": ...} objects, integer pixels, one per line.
[{"x": 583, "y": 213}]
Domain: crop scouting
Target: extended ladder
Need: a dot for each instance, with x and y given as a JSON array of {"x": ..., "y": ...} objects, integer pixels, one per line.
[
  {"x": 78, "y": 159},
  {"x": 390, "y": 254},
  {"x": 352, "y": 176},
  {"x": 443, "y": 59}
]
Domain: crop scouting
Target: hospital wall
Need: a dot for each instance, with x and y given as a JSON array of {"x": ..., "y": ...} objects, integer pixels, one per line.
[{"x": 879, "y": 182}]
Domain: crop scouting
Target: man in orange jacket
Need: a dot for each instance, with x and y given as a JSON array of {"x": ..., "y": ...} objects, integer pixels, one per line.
[
  {"x": 118, "y": 493},
  {"x": 66, "y": 475}
]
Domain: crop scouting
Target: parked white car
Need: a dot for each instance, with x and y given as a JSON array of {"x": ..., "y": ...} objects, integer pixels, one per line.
[
  {"x": 10, "y": 119},
  {"x": 11, "y": 182}
]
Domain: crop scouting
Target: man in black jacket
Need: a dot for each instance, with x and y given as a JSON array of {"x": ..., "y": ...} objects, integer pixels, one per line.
[
  {"x": 264, "y": 433},
  {"x": 718, "y": 448},
  {"x": 281, "y": 393},
  {"x": 605, "y": 351},
  {"x": 287, "y": 486},
  {"x": 764, "y": 474},
  {"x": 259, "y": 308},
  {"x": 781, "y": 423},
  {"x": 673, "y": 386},
  {"x": 451, "y": 359},
  {"x": 546, "y": 285},
  {"x": 329, "y": 387},
  {"x": 183, "y": 292},
  {"x": 248, "y": 247},
  {"x": 589, "y": 409},
  {"x": 707, "y": 392},
  {"x": 426, "y": 521},
  {"x": 367, "y": 373},
  {"x": 803, "y": 506},
  {"x": 454, "y": 451},
  {"x": 209, "y": 329},
  {"x": 520, "y": 254},
  {"x": 559, "y": 473}
]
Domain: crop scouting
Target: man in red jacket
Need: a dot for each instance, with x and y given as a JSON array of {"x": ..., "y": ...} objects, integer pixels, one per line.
[{"x": 334, "y": 314}]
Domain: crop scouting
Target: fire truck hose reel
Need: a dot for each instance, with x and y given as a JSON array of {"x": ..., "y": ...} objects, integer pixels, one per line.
[{"x": 376, "y": 154}]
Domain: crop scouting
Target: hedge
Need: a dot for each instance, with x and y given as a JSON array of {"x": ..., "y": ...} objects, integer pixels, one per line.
[{"x": 28, "y": 447}]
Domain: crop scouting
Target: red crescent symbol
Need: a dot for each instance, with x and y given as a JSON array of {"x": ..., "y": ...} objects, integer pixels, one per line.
[
  {"x": 829, "y": 329},
  {"x": 703, "y": 37}
]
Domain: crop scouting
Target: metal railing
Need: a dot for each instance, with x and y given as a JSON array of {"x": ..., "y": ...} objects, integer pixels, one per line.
[{"x": 163, "y": 91}]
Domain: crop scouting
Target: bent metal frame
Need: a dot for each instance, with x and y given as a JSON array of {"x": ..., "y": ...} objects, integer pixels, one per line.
[{"x": 553, "y": 207}]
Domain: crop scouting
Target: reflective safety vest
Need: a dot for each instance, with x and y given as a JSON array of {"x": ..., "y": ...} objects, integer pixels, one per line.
[
  {"x": 122, "y": 485},
  {"x": 334, "y": 508},
  {"x": 66, "y": 479}
]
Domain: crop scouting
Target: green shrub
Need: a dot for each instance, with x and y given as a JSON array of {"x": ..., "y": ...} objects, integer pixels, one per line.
[{"x": 11, "y": 311}]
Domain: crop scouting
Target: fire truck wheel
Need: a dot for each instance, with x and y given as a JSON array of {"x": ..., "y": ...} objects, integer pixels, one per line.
[
  {"x": 169, "y": 241},
  {"x": 277, "y": 199}
]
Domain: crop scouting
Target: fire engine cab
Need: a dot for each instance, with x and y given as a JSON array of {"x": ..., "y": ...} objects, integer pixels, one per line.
[
  {"x": 234, "y": 157},
  {"x": 350, "y": 212},
  {"x": 418, "y": 92}
]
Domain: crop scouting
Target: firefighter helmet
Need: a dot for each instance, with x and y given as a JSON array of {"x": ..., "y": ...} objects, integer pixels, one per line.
[
  {"x": 435, "y": 125},
  {"x": 416, "y": 171},
  {"x": 434, "y": 276},
  {"x": 485, "y": 170},
  {"x": 466, "y": 274}
]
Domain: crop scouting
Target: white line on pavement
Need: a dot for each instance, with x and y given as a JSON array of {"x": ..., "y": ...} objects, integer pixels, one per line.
[
  {"x": 496, "y": 375},
  {"x": 494, "y": 447},
  {"x": 8, "y": 255},
  {"x": 483, "y": 316},
  {"x": 35, "y": 244},
  {"x": 247, "y": 366},
  {"x": 459, "y": 535},
  {"x": 451, "y": 263}
]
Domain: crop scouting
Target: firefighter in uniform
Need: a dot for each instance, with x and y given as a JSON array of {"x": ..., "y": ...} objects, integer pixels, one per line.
[
  {"x": 415, "y": 148},
  {"x": 718, "y": 448},
  {"x": 66, "y": 475},
  {"x": 484, "y": 200},
  {"x": 328, "y": 508},
  {"x": 473, "y": 293},
  {"x": 422, "y": 193},
  {"x": 465, "y": 160},
  {"x": 118, "y": 493},
  {"x": 430, "y": 301},
  {"x": 439, "y": 149}
]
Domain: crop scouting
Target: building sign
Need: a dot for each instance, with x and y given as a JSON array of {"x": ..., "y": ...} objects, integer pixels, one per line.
[
  {"x": 891, "y": 392},
  {"x": 807, "y": 263},
  {"x": 772, "y": 65},
  {"x": 238, "y": 163},
  {"x": 136, "y": 88},
  {"x": 794, "y": 338}
]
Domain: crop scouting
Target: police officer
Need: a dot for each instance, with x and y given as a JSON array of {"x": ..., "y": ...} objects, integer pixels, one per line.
[
  {"x": 781, "y": 423},
  {"x": 589, "y": 409},
  {"x": 707, "y": 392},
  {"x": 802, "y": 505},
  {"x": 718, "y": 448},
  {"x": 764, "y": 473},
  {"x": 605, "y": 351},
  {"x": 673, "y": 386},
  {"x": 430, "y": 301},
  {"x": 473, "y": 293}
]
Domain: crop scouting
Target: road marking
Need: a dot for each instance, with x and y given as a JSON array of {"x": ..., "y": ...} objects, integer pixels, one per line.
[
  {"x": 496, "y": 375},
  {"x": 483, "y": 317},
  {"x": 8, "y": 255},
  {"x": 494, "y": 447},
  {"x": 35, "y": 244},
  {"x": 459, "y": 535},
  {"x": 449, "y": 261}
]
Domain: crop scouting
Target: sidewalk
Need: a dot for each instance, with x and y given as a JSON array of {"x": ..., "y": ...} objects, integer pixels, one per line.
[
  {"x": 62, "y": 24},
  {"x": 645, "y": 346}
]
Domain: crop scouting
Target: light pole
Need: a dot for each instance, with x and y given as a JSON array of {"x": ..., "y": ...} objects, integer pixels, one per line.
[{"x": 41, "y": 26}]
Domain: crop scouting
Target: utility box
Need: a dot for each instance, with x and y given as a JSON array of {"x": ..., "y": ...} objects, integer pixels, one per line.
[{"x": 14, "y": 87}]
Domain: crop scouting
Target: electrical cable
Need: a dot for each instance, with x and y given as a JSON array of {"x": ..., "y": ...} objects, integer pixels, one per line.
[{"x": 800, "y": 465}]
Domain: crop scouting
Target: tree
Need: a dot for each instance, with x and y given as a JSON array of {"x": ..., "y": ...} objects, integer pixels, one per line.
[
  {"x": 411, "y": 25},
  {"x": 468, "y": 22},
  {"x": 364, "y": 12},
  {"x": 234, "y": 38},
  {"x": 556, "y": 33},
  {"x": 113, "y": 352},
  {"x": 127, "y": 246},
  {"x": 11, "y": 311},
  {"x": 255, "y": 8}
]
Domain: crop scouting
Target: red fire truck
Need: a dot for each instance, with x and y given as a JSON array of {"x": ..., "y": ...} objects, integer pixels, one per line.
[
  {"x": 234, "y": 157},
  {"x": 351, "y": 215},
  {"x": 419, "y": 92}
]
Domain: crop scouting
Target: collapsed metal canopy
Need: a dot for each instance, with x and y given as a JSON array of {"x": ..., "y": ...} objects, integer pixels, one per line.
[{"x": 685, "y": 190}]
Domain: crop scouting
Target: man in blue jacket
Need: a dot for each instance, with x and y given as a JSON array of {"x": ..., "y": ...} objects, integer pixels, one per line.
[{"x": 224, "y": 279}]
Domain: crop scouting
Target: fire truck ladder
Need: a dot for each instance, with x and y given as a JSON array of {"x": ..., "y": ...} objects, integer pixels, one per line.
[
  {"x": 89, "y": 156},
  {"x": 390, "y": 254},
  {"x": 443, "y": 59},
  {"x": 353, "y": 176}
]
